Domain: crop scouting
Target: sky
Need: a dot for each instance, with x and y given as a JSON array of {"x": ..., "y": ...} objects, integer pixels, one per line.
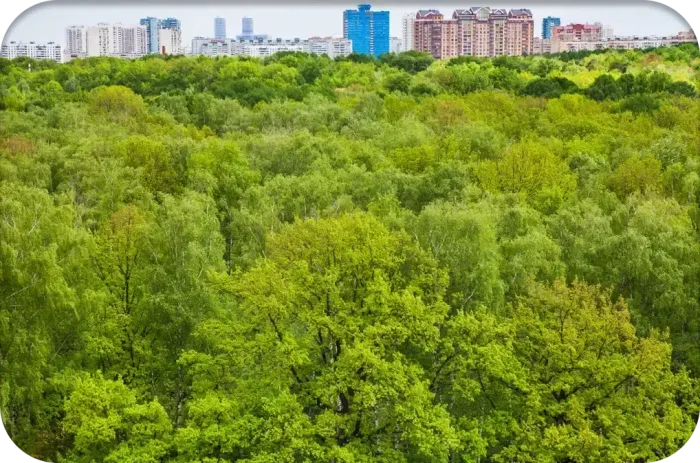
[{"x": 47, "y": 22}]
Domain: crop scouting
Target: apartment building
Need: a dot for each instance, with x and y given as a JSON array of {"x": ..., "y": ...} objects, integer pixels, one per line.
[
  {"x": 331, "y": 46},
  {"x": 100, "y": 40},
  {"x": 368, "y": 30},
  {"x": 42, "y": 51},
  {"x": 624, "y": 43},
  {"x": 434, "y": 34},
  {"x": 76, "y": 41},
  {"x": 407, "y": 30},
  {"x": 494, "y": 32},
  {"x": 578, "y": 33},
  {"x": 211, "y": 47},
  {"x": 170, "y": 41}
]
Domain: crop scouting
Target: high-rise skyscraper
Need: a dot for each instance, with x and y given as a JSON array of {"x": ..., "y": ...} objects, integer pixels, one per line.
[
  {"x": 152, "y": 33},
  {"x": 368, "y": 30},
  {"x": 247, "y": 26},
  {"x": 547, "y": 24},
  {"x": 220, "y": 28},
  {"x": 407, "y": 31},
  {"x": 248, "y": 32}
]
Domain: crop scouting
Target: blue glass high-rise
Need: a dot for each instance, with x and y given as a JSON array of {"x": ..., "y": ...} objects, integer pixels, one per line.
[
  {"x": 547, "y": 24},
  {"x": 220, "y": 28},
  {"x": 152, "y": 33},
  {"x": 368, "y": 30}
]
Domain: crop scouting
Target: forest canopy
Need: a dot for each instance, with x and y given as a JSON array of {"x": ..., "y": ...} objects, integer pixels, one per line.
[{"x": 300, "y": 259}]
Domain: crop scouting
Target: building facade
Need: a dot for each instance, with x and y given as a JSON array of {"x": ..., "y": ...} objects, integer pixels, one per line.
[
  {"x": 520, "y": 30},
  {"x": 407, "y": 30},
  {"x": 76, "y": 41},
  {"x": 220, "y": 28},
  {"x": 134, "y": 40},
  {"x": 100, "y": 40},
  {"x": 48, "y": 51},
  {"x": 368, "y": 30},
  {"x": 331, "y": 46},
  {"x": 395, "y": 45},
  {"x": 210, "y": 47},
  {"x": 540, "y": 46},
  {"x": 152, "y": 26},
  {"x": 623, "y": 43},
  {"x": 577, "y": 33},
  {"x": 606, "y": 32},
  {"x": 170, "y": 41},
  {"x": 494, "y": 32},
  {"x": 548, "y": 24},
  {"x": 434, "y": 34}
]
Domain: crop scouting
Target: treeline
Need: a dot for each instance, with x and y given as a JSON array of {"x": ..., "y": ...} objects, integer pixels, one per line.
[{"x": 299, "y": 259}]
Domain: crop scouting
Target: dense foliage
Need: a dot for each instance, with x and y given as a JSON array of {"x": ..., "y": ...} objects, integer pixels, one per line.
[{"x": 393, "y": 260}]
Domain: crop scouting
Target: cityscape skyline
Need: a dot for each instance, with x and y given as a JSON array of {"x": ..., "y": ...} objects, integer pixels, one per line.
[{"x": 46, "y": 22}]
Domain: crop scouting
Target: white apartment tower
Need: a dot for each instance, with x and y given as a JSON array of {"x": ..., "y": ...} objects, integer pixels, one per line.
[
  {"x": 76, "y": 41},
  {"x": 134, "y": 40},
  {"x": 408, "y": 31},
  {"x": 170, "y": 41},
  {"x": 108, "y": 40},
  {"x": 100, "y": 40}
]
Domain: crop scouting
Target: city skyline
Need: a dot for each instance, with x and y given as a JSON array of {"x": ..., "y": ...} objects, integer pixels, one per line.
[{"x": 47, "y": 22}]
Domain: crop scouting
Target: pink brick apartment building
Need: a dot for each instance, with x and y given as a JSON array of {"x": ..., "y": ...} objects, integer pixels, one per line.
[
  {"x": 577, "y": 33},
  {"x": 478, "y": 31}
]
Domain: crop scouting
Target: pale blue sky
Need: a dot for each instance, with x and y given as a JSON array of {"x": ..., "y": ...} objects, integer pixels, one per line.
[{"x": 303, "y": 19}]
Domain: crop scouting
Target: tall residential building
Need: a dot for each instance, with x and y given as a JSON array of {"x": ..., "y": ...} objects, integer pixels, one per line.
[
  {"x": 76, "y": 41},
  {"x": 577, "y": 33},
  {"x": 395, "y": 45},
  {"x": 170, "y": 41},
  {"x": 170, "y": 37},
  {"x": 606, "y": 32},
  {"x": 117, "y": 31},
  {"x": 407, "y": 30},
  {"x": 520, "y": 32},
  {"x": 220, "y": 28},
  {"x": 368, "y": 30},
  {"x": 48, "y": 51},
  {"x": 152, "y": 27},
  {"x": 434, "y": 34},
  {"x": 494, "y": 32},
  {"x": 134, "y": 40},
  {"x": 100, "y": 40},
  {"x": 107, "y": 40},
  {"x": 547, "y": 24}
]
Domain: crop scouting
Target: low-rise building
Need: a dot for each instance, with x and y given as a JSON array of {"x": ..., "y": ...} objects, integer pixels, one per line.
[
  {"x": 331, "y": 46},
  {"x": 47, "y": 51}
]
